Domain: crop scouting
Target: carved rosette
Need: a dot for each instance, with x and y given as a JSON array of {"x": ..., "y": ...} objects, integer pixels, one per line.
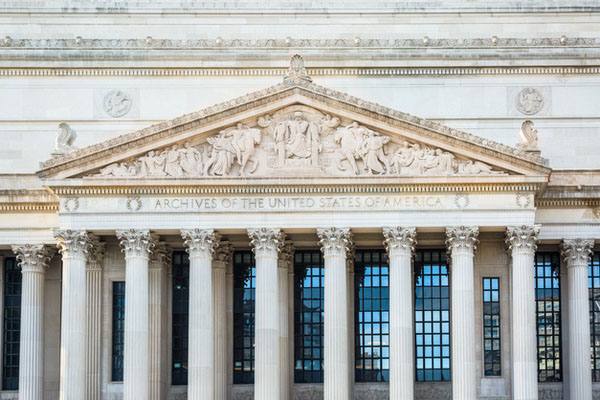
[
  {"x": 223, "y": 255},
  {"x": 136, "y": 242},
  {"x": 161, "y": 256},
  {"x": 286, "y": 256},
  {"x": 95, "y": 254},
  {"x": 72, "y": 243},
  {"x": 266, "y": 240},
  {"x": 522, "y": 239},
  {"x": 335, "y": 241},
  {"x": 33, "y": 257},
  {"x": 577, "y": 252},
  {"x": 198, "y": 241},
  {"x": 462, "y": 239},
  {"x": 400, "y": 240}
]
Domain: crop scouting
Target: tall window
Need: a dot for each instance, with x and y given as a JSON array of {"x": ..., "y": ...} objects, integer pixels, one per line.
[
  {"x": 594, "y": 285},
  {"x": 491, "y": 327},
  {"x": 11, "y": 324},
  {"x": 244, "y": 295},
  {"x": 547, "y": 299},
  {"x": 432, "y": 316},
  {"x": 308, "y": 316},
  {"x": 371, "y": 317},
  {"x": 118, "y": 330},
  {"x": 180, "y": 312}
]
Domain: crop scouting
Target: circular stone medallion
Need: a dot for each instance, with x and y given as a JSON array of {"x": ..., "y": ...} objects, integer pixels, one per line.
[{"x": 117, "y": 103}]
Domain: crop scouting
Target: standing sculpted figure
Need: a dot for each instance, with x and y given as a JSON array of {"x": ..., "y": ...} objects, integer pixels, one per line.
[
  {"x": 374, "y": 154},
  {"x": 351, "y": 143},
  {"x": 152, "y": 163},
  {"x": 221, "y": 157},
  {"x": 191, "y": 160},
  {"x": 231, "y": 145},
  {"x": 298, "y": 139},
  {"x": 173, "y": 161}
]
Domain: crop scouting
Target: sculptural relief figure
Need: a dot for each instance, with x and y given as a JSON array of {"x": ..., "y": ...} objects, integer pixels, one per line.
[
  {"x": 173, "y": 162},
  {"x": 351, "y": 143},
  {"x": 470, "y": 167},
  {"x": 374, "y": 155},
  {"x": 191, "y": 159},
  {"x": 152, "y": 163},
  {"x": 119, "y": 169},
  {"x": 65, "y": 139},
  {"x": 221, "y": 156},
  {"x": 230, "y": 145}
]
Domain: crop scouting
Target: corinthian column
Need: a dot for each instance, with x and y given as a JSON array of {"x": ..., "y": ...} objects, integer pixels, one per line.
[
  {"x": 222, "y": 260},
  {"x": 335, "y": 243},
  {"x": 521, "y": 241},
  {"x": 266, "y": 244},
  {"x": 400, "y": 245},
  {"x": 34, "y": 260},
  {"x": 285, "y": 264},
  {"x": 576, "y": 253},
  {"x": 201, "y": 245},
  {"x": 94, "y": 318},
  {"x": 157, "y": 303},
  {"x": 137, "y": 245},
  {"x": 462, "y": 242},
  {"x": 74, "y": 246}
]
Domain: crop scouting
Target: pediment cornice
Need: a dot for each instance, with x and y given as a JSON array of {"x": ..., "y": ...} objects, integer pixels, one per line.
[{"x": 292, "y": 91}]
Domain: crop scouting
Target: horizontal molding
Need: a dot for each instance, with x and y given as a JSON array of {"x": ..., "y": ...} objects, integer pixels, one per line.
[{"x": 26, "y": 207}]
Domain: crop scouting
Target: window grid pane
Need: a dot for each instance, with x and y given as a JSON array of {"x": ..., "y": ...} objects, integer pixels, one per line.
[
  {"x": 118, "y": 330},
  {"x": 309, "y": 277},
  {"x": 180, "y": 315},
  {"x": 432, "y": 316},
  {"x": 491, "y": 327},
  {"x": 594, "y": 285},
  {"x": 371, "y": 304},
  {"x": 11, "y": 324},
  {"x": 244, "y": 296},
  {"x": 547, "y": 299}
]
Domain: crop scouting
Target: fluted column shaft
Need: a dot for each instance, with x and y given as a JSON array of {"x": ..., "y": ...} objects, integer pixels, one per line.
[
  {"x": 266, "y": 244},
  {"x": 522, "y": 244},
  {"x": 73, "y": 246},
  {"x": 220, "y": 263},
  {"x": 137, "y": 246},
  {"x": 157, "y": 309},
  {"x": 335, "y": 244},
  {"x": 400, "y": 244},
  {"x": 576, "y": 253},
  {"x": 285, "y": 263},
  {"x": 461, "y": 242},
  {"x": 33, "y": 260},
  {"x": 94, "y": 320},
  {"x": 201, "y": 245}
]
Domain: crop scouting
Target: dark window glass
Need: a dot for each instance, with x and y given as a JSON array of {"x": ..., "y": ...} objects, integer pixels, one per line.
[
  {"x": 371, "y": 316},
  {"x": 594, "y": 285},
  {"x": 491, "y": 327},
  {"x": 181, "y": 279},
  {"x": 12, "y": 324},
  {"x": 432, "y": 316},
  {"x": 118, "y": 330},
  {"x": 309, "y": 277},
  {"x": 244, "y": 296},
  {"x": 547, "y": 300}
]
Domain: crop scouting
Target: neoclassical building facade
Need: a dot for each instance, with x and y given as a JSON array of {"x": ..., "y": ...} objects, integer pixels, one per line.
[{"x": 234, "y": 201}]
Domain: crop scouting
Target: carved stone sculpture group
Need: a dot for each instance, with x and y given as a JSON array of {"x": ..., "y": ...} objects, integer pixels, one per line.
[{"x": 296, "y": 139}]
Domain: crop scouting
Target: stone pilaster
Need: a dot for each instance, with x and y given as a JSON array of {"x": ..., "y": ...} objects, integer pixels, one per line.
[
  {"x": 74, "y": 247},
  {"x": 201, "y": 245},
  {"x": 221, "y": 261},
  {"x": 290, "y": 348},
  {"x": 266, "y": 243},
  {"x": 576, "y": 253},
  {"x": 33, "y": 260},
  {"x": 522, "y": 243},
  {"x": 286, "y": 259},
  {"x": 400, "y": 245},
  {"x": 137, "y": 245},
  {"x": 157, "y": 317},
  {"x": 229, "y": 313},
  {"x": 335, "y": 244},
  {"x": 350, "y": 255},
  {"x": 94, "y": 319},
  {"x": 462, "y": 242}
]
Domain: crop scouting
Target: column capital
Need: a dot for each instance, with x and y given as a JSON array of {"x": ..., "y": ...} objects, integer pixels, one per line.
[
  {"x": 576, "y": 252},
  {"x": 33, "y": 257},
  {"x": 200, "y": 240},
  {"x": 161, "y": 256},
  {"x": 522, "y": 238},
  {"x": 398, "y": 239},
  {"x": 266, "y": 239},
  {"x": 72, "y": 243},
  {"x": 462, "y": 239},
  {"x": 286, "y": 257},
  {"x": 136, "y": 242},
  {"x": 223, "y": 255},
  {"x": 335, "y": 241},
  {"x": 95, "y": 254}
]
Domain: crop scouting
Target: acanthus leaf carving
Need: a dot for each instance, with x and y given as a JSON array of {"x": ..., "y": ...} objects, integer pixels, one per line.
[
  {"x": 522, "y": 238},
  {"x": 400, "y": 239},
  {"x": 265, "y": 239},
  {"x": 33, "y": 257},
  {"x": 335, "y": 241},
  {"x": 462, "y": 239},
  {"x": 577, "y": 251}
]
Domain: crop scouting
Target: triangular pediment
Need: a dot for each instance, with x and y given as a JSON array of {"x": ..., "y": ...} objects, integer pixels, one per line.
[{"x": 296, "y": 129}]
